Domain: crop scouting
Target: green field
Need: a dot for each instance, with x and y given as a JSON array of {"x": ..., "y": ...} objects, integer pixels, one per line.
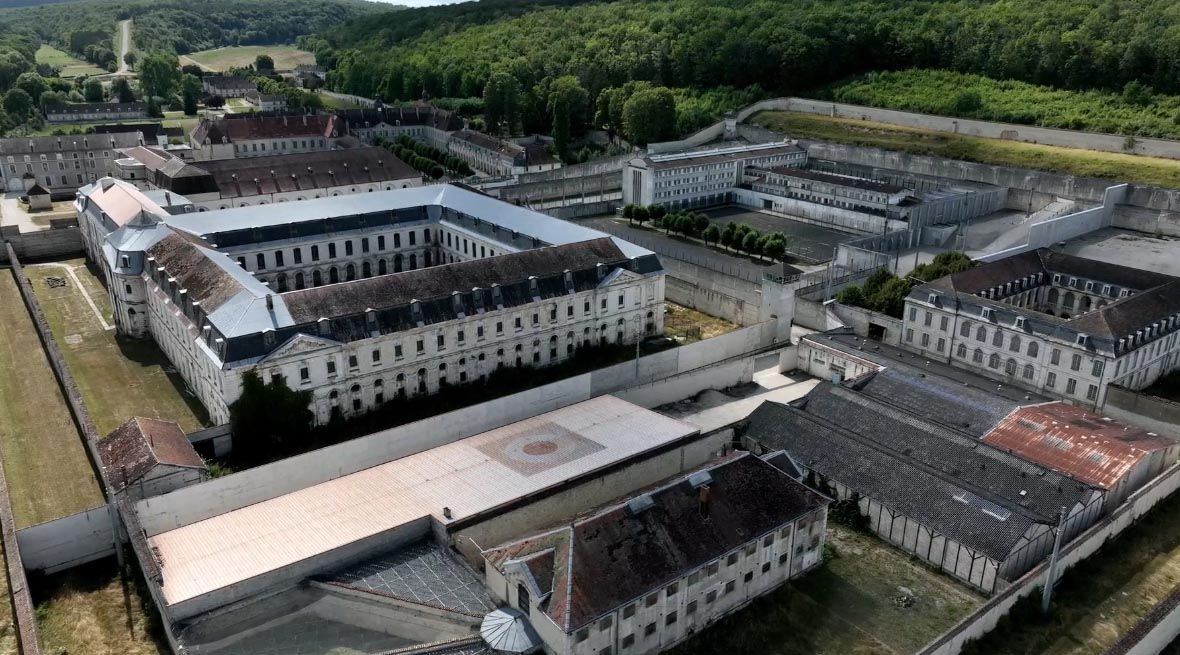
[
  {"x": 220, "y": 59},
  {"x": 70, "y": 65},
  {"x": 1070, "y": 161},
  {"x": 332, "y": 102},
  {"x": 119, "y": 378},
  {"x": 844, "y": 607},
  {"x": 48, "y": 472}
]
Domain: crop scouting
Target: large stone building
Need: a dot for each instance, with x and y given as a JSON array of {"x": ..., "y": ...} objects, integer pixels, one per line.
[
  {"x": 424, "y": 123},
  {"x": 242, "y": 182},
  {"x": 248, "y": 135},
  {"x": 701, "y": 177},
  {"x": 226, "y": 86},
  {"x": 61, "y": 163},
  {"x": 499, "y": 157},
  {"x": 642, "y": 575},
  {"x": 361, "y": 298},
  {"x": 1062, "y": 325}
]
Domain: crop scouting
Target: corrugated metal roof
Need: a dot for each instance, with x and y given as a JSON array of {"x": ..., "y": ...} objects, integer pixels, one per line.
[
  {"x": 1087, "y": 447},
  {"x": 471, "y": 476}
]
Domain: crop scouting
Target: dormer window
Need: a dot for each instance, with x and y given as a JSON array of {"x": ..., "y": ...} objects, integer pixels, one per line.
[
  {"x": 986, "y": 313},
  {"x": 1089, "y": 286},
  {"x": 932, "y": 299},
  {"x": 1123, "y": 293},
  {"x": 1082, "y": 339},
  {"x": 1106, "y": 289},
  {"x": 1019, "y": 322},
  {"x": 1056, "y": 278}
]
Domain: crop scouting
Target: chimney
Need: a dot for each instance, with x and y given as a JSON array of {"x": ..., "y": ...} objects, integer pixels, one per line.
[
  {"x": 447, "y": 513},
  {"x": 704, "y": 495},
  {"x": 270, "y": 302}
]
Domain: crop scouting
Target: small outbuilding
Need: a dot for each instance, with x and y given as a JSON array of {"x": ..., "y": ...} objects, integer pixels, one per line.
[
  {"x": 148, "y": 457},
  {"x": 39, "y": 198}
]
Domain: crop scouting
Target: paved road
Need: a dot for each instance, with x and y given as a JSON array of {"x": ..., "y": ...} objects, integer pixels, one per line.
[{"x": 124, "y": 46}]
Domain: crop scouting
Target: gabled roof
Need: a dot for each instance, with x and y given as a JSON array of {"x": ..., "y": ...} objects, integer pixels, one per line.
[
  {"x": 249, "y": 176},
  {"x": 250, "y": 127},
  {"x": 120, "y": 201},
  {"x": 139, "y": 445},
  {"x": 1068, "y": 439},
  {"x": 616, "y": 555}
]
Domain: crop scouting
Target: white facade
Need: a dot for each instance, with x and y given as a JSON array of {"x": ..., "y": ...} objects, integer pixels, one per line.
[
  {"x": 701, "y": 177},
  {"x": 354, "y": 375},
  {"x": 61, "y": 163}
]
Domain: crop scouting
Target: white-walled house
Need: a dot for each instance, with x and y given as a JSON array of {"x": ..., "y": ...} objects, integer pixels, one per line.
[
  {"x": 361, "y": 298},
  {"x": 642, "y": 575}
]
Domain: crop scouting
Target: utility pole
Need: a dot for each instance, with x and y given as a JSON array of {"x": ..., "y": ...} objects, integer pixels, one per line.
[{"x": 1047, "y": 593}]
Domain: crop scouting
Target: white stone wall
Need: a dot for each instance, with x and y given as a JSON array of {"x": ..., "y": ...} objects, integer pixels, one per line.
[{"x": 58, "y": 170}]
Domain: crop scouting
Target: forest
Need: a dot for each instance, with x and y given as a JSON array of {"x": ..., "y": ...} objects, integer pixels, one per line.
[{"x": 696, "y": 46}]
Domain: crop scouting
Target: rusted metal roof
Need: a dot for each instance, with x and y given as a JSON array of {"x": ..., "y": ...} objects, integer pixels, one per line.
[{"x": 1089, "y": 448}]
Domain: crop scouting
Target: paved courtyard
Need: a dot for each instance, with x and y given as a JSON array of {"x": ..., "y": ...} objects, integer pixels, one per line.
[
  {"x": 811, "y": 242},
  {"x": 1128, "y": 248},
  {"x": 422, "y": 572}
]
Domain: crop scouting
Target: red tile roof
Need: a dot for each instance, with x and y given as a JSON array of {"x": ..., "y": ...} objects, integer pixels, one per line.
[
  {"x": 133, "y": 449},
  {"x": 1089, "y": 448}
]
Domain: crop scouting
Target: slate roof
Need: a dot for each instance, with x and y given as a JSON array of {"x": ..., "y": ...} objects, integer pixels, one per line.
[
  {"x": 1068, "y": 439},
  {"x": 250, "y": 127},
  {"x": 134, "y": 448},
  {"x": 614, "y": 556},
  {"x": 1155, "y": 296},
  {"x": 440, "y": 282},
  {"x": 718, "y": 155},
  {"x": 434, "y": 117},
  {"x": 34, "y": 145},
  {"x": 933, "y": 398},
  {"x": 988, "y": 472},
  {"x": 309, "y": 170},
  {"x": 902, "y": 483}
]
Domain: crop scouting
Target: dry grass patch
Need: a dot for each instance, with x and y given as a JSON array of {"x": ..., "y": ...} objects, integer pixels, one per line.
[
  {"x": 220, "y": 59},
  {"x": 90, "y": 610},
  {"x": 119, "y": 378},
  {"x": 846, "y": 607},
  {"x": 691, "y": 325},
  {"x": 49, "y": 474}
]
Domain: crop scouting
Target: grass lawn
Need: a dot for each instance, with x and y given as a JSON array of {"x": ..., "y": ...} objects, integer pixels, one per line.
[
  {"x": 90, "y": 610},
  {"x": 681, "y": 321},
  {"x": 49, "y": 474},
  {"x": 844, "y": 608},
  {"x": 70, "y": 66},
  {"x": 1100, "y": 599},
  {"x": 286, "y": 57},
  {"x": 119, "y": 378},
  {"x": 1071, "y": 161},
  {"x": 8, "y": 638},
  {"x": 332, "y": 102}
]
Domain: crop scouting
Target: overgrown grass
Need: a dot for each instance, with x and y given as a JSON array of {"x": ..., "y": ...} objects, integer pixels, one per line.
[
  {"x": 1069, "y": 161},
  {"x": 949, "y": 93},
  {"x": 91, "y": 610},
  {"x": 48, "y": 472},
  {"x": 692, "y": 325},
  {"x": 844, "y": 607},
  {"x": 119, "y": 378},
  {"x": 1101, "y": 598}
]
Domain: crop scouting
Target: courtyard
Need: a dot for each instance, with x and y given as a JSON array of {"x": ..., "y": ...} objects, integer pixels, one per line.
[
  {"x": 814, "y": 244},
  {"x": 119, "y": 378},
  {"x": 867, "y": 598}
]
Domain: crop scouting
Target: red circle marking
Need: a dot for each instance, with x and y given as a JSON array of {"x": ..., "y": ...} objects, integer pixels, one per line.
[{"x": 538, "y": 448}]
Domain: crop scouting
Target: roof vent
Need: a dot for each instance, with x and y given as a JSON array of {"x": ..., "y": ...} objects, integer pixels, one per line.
[
  {"x": 640, "y": 504},
  {"x": 700, "y": 479}
]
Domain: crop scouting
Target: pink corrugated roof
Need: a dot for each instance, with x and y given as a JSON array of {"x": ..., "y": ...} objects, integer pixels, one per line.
[
  {"x": 122, "y": 202},
  {"x": 470, "y": 476}
]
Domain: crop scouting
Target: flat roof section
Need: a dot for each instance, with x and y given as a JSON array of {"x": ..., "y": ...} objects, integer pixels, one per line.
[{"x": 471, "y": 477}]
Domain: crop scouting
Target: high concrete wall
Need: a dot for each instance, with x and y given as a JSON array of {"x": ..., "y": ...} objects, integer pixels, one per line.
[
  {"x": 1159, "y": 415},
  {"x": 706, "y": 135},
  {"x": 1062, "y": 228},
  {"x": 587, "y": 186},
  {"x": 67, "y": 542},
  {"x": 704, "y": 290},
  {"x": 23, "y": 615},
  {"x": 583, "y": 209},
  {"x": 971, "y": 127},
  {"x": 606, "y": 165},
  {"x": 231, "y": 492},
  {"x": 1152, "y": 221},
  {"x": 985, "y": 618}
]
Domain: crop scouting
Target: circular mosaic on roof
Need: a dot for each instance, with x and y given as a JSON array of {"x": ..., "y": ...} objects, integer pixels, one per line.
[{"x": 534, "y": 449}]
